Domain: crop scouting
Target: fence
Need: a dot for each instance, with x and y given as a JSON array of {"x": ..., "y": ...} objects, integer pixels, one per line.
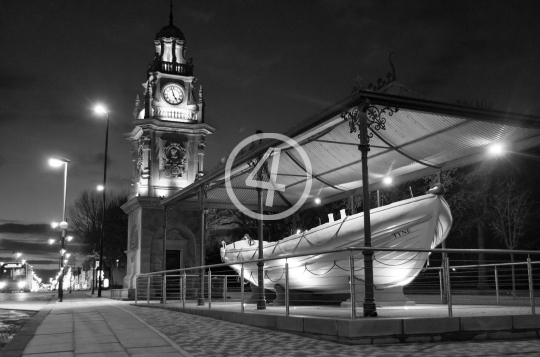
[{"x": 400, "y": 276}]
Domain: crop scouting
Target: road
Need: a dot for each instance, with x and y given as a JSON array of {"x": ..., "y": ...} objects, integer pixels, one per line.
[{"x": 25, "y": 301}]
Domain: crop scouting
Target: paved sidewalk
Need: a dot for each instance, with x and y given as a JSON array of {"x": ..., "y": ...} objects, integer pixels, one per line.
[
  {"x": 83, "y": 325},
  {"x": 206, "y": 337}
]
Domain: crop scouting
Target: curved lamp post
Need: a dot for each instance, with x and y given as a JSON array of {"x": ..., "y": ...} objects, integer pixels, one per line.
[
  {"x": 101, "y": 110},
  {"x": 57, "y": 162}
]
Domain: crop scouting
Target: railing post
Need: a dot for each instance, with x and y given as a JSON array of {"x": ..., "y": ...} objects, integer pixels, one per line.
[
  {"x": 531, "y": 287},
  {"x": 209, "y": 289},
  {"x": 225, "y": 288},
  {"x": 184, "y": 288},
  {"x": 164, "y": 288},
  {"x": 148, "y": 289},
  {"x": 448, "y": 290},
  {"x": 497, "y": 285},
  {"x": 287, "y": 302},
  {"x": 136, "y": 288},
  {"x": 351, "y": 277},
  {"x": 441, "y": 284},
  {"x": 242, "y": 289},
  {"x": 513, "y": 276}
]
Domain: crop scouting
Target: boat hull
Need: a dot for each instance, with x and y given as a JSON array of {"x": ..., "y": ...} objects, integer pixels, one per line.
[{"x": 421, "y": 222}]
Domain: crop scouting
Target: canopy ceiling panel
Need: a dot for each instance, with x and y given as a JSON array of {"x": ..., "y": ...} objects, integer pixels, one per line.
[
  {"x": 245, "y": 194},
  {"x": 419, "y": 138}
]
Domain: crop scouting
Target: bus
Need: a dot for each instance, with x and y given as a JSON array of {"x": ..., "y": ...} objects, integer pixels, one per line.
[{"x": 16, "y": 276}]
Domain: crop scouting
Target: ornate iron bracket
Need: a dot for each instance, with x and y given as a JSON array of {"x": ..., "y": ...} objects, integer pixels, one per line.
[
  {"x": 202, "y": 192},
  {"x": 374, "y": 117}
]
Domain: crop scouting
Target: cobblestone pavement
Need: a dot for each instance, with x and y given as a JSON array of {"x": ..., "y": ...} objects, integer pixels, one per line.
[{"x": 206, "y": 337}]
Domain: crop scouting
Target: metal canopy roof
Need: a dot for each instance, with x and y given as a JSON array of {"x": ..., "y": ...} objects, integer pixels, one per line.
[{"x": 420, "y": 138}]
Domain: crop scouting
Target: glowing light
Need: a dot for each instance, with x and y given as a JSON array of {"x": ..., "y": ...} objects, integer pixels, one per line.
[
  {"x": 55, "y": 162},
  {"x": 63, "y": 225},
  {"x": 100, "y": 187},
  {"x": 387, "y": 180},
  {"x": 496, "y": 149},
  {"x": 100, "y": 109},
  {"x": 298, "y": 231},
  {"x": 318, "y": 201},
  {"x": 68, "y": 255},
  {"x": 54, "y": 224},
  {"x": 69, "y": 238},
  {"x": 24, "y": 261},
  {"x": 62, "y": 251},
  {"x": 51, "y": 241}
]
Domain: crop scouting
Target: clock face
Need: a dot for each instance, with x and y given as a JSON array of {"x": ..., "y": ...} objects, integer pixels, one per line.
[{"x": 173, "y": 94}]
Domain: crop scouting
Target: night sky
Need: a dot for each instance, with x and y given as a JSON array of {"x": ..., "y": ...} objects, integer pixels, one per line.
[{"x": 263, "y": 65}]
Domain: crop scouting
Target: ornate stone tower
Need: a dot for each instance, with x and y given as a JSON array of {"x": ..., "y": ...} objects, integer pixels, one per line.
[{"x": 167, "y": 148}]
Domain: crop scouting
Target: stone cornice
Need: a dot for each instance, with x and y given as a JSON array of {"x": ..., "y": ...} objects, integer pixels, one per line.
[
  {"x": 141, "y": 202},
  {"x": 174, "y": 126},
  {"x": 155, "y": 124}
]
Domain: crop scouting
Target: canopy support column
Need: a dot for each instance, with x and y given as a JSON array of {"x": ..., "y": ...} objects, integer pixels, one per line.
[
  {"x": 202, "y": 194},
  {"x": 261, "y": 300},
  {"x": 164, "y": 257},
  {"x": 370, "y": 308},
  {"x": 362, "y": 120}
]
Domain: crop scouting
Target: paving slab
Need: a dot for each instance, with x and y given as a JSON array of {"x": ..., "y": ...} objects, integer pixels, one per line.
[{"x": 87, "y": 326}]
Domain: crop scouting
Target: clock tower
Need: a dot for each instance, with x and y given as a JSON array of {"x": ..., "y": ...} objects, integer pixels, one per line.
[
  {"x": 167, "y": 146},
  {"x": 169, "y": 137}
]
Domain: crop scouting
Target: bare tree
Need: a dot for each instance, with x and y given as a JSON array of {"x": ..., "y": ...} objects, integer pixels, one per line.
[
  {"x": 85, "y": 217},
  {"x": 512, "y": 209}
]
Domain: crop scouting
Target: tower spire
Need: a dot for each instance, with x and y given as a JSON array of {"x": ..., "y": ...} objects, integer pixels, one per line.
[{"x": 171, "y": 16}]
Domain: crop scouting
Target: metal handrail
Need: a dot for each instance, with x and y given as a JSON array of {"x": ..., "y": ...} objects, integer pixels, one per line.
[
  {"x": 481, "y": 265},
  {"x": 444, "y": 273},
  {"x": 373, "y": 249}
]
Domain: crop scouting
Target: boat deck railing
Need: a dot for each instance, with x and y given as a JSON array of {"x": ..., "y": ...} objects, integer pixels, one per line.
[{"x": 502, "y": 284}]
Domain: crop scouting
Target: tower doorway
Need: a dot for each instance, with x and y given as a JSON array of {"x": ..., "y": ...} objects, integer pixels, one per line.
[{"x": 173, "y": 261}]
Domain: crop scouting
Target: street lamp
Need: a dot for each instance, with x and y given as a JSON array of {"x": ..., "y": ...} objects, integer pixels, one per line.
[
  {"x": 102, "y": 110},
  {"x": 496, "y": 149},
  {"x": 387, "y": 180},
  {"x": 57, "y": 162}
]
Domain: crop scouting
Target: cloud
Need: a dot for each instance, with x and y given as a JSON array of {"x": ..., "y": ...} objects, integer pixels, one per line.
[
  {"x": 26, "y": 228},
  {"x": 200, "y": 16},
  {"x": 12, "y": 80},
  {"x": 308, "y": 99},
  {"x": 42, "y": 262},
  {"x": 249, "y": 68}
]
